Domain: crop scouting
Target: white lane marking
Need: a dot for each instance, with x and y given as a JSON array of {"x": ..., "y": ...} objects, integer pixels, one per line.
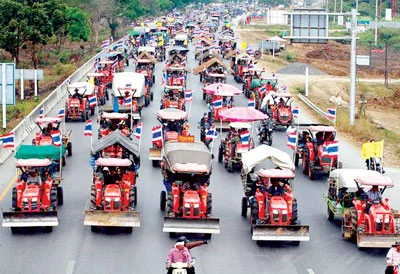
[
  {"x": 70, "y": 267},
  {"x": 310, "y": 271}
]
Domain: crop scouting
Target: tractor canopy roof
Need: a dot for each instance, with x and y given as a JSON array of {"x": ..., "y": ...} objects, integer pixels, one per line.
[
  {"x": 281, "y": 95},
  {"x": 39, "y": 152},
  {"x": 345, "y": 177},
  {"x": 83, "y": 88},
  {"x": 47, "y": 120},
  {"x": 216, "y": 75},
  {"x": 374, "y": 179},
  {"x": 184, "y": 157},
  {"x": 181, "y": 37},
  {"x": 128, "y": 84},
  {"x": 276, "y": 173},
  {"x": 252, "y": 158},
  {"x": 114, "y": 115},
  {"x": 322, "y": 128},
  {"x": 172, "y": 114},
  {"x": 33, "y": 162},
  {"x": 239, "y": 125},
  {"x": 95, "y": 74},
  {"x": 116, "y": 137},
  {"x": 148, "y": 49},
  {"x": 173, "y": 50},
  {"x": 174, "y": 87},
  {"x": 113, "y": 162}
]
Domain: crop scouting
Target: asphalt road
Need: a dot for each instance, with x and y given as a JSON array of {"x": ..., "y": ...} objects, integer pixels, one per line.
[{"x": 73, "y": 248}]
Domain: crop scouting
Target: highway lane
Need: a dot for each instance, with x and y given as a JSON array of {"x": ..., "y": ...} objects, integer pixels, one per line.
[{"x": 73, "y": 248}]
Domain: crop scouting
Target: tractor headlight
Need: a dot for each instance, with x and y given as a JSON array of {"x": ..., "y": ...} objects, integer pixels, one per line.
[
  {"x": 284, "y": 211},
  {"x": 196, "y": 205},
  {"x": 275, "y": 211},
  {"x": 187, "y": 205},
  {"x": 378, "y": 220},
  {"x": 25, "y": 200},
  {"x": 108, "y": 199},
  {"x": 116, "y": 199},
  {"x": 34, "y": 199}
]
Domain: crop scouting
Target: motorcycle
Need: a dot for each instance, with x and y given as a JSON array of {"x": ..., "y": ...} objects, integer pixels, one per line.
[
  {"x": 375, "y": 164},
  {"x": 181, "y": 268},
  {"x": 203, "y": 132},
  {"x": 265, "y": 131}
]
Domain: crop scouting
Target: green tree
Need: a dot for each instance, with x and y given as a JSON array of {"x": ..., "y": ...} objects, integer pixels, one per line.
[
  {"x": 13, "y": 26},
  {"x": 78, "y": 27}
]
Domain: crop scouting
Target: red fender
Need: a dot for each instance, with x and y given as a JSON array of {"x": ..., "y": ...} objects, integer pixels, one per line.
[
  {"x": 203, "y": 198},
  {"x": 175, "y": 198},
  {"x": 310, "y": 147},
  {"x": 261, "y": 203},
  {"x": 46, "y": 188},
  {"x": 20, "y": 190},
  {"x": 98, "y": 186},
  {"x": 126, "y": 188}
]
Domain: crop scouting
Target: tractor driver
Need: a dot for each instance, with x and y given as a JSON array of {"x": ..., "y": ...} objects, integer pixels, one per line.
[
  {"x": 34, "y": 177},
  {"x": 77, "y": 95},
  {"x": 276, "y": 189},
  {"x": 374, "y": 197}
]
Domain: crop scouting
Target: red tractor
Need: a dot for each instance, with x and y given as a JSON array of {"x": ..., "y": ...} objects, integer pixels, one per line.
[
  {"x": 99, "y": 87},
  {"x": 186, "y": 167},
  {"x": 237, "y": 141},
  {"x": 113, "y": 191},
  {"x": 269, "y": 194},
  {"x": 241, "y": 65},
  {"x": 43, "y": 138},
  {"x": 111, "y": 121},
  {"x": 315, "y": 157},
  {"x": 280, "y": 110},
  {"x": 373, "y": 223},
  {"x": 35, "y": 197},
  {"x": 174, "y": 97},
  {"x": 77, "y": 105},
  {"x": 173, "y": 124}
]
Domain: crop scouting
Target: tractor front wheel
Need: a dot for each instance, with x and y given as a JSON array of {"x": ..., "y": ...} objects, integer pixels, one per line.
[
  {"x": 14, "y": 197},
  {"x": 244, "y": 207},
  {"x": 296, "y": 159},
  {"x": 209, "y": 204},
  {"x": 330, "y": 214},
  {"x": 311, "y": 171},
  {"x": 60, "y": 195},
  {"x": 163, "y": 200},
  {"x": 69, "y": 149},
  {"x": 304, "y": 165},
  {"x": 220, "y": 154}
]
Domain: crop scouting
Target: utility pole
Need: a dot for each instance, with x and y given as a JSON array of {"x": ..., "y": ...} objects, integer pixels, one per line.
[
  {"x": 353, "y": 65},
  {"x": 376, "y": 22}
]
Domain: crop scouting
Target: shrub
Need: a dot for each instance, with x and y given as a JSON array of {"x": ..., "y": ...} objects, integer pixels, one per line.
[
  {"x": 65, "y": 56},
  {"x": 289, "y": 56},
  {"x": 64, "y": 70}
]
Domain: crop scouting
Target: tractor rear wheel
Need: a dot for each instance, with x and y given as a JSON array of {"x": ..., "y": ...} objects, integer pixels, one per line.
[
  {"x": 53, "y": 198},
  {"x": 69, "y": 149},
  {"x": 169, "y": 204},
  {"x": 354, "y": 225},
  {"x": 132, "y": 197},
  {"x": 92, "y": 197},
  {"x": 229, "y": 166},
  {"x": 244, "y": 207},
  {"x": 311, "y": 171},
  {"x": 63, "y": 161},
  {"x": 330, "y": 214},
  {"x": 304, "y": 165},
  {"x": 163, "y": 200},
  {"x": 152, "y": 96},
  {"x": 92, "y": 111},
  {"x": 294, "y": 211},
  {"x": 204, "y": 95},
  {"x": 209, "y": 204},
  {"x": 296, "y": 159},
  {"x": 107, "y": 96},
  {"x": 220, "y": 154},
  {"x": 60, "y": 195},
  {"x": 14, "y": 197}
]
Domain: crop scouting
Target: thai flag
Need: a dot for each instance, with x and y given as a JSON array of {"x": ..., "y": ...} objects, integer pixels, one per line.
[
  {"x": 128, "y": 101},
  {"x": 251, "y": 103},
  {"x": 217, "y": 103},
  {"x": 292, "y": 139},
  {"x": 263, "y": 89},
  {"x": 330, "y": 149},
  {"x": 41, "y": 112},
  {"x": 105, "y": 44},
  {"x": 114, "y": 63},
  {"x": 88, "y": 128},
  {"x": 118, "y": 45},
  {"x": 295, "y": 112},
  {"x": 8, "y": 140},
  {"x": 92, "y": 101},
  {"x": 138, "y": 131},
  {"x": 188, "y": 95},
  {"x": 283, "y": 88},
  {"x": 331, "y": 113},
  {"x": 156, "y": 134},
  {"x": 245, "y": 137},
  {"x": 211, "y": 134},
  {"x": 182, "y": 62},
  {"x": 61, "y": 113},
  {"x": 56, "y": 136}
]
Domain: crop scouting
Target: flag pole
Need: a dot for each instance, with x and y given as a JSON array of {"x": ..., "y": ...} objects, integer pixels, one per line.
[
  {"x": 61, "y": 155},
  {"x": 382, "y": 158}
]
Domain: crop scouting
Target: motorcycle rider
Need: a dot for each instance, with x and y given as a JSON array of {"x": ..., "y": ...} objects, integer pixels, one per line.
[
  {"x": 189, "y": 245},
  {"x": 205, "y": 125},
  {"x": 393, "y": 258},
  {"x": 179, "y": 254}
]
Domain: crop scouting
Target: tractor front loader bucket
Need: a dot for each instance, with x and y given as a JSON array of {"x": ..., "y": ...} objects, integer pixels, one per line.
[
  {"x": 115, "y": 219},
  {"x": 184, "y": 225},
  {"x": 155, "y": 154},
  {"x": 30, "y": 219},
  {"x": 281, "y": 233},
  {"x": 377, "y": 240}
]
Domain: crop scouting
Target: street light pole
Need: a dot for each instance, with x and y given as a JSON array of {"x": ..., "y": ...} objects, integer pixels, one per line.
[
  {"x": 376, "y": 21},
  {"x": 353, "y": 65}
]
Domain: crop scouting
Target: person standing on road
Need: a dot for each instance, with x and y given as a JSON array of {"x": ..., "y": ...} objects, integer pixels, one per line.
[{"x": 393, "y": 258}]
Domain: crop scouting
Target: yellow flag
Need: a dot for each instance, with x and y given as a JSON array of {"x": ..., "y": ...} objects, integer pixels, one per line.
[
  {"x": 244, "y": 45},
  {"x": 159, "y": 24},
  {"x": 91, "y": 81},
  {"x": 372, "y": 149},
  {"x": 142, "y": 24},
  {"x": 185, "y": 42}
]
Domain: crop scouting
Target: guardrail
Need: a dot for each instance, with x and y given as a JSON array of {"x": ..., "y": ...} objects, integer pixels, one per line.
[
  {"x": 26, "y": 126},
  {"x": 314, "y": 107}
]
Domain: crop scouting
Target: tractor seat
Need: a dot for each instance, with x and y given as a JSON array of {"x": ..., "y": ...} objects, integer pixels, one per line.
[{"x": 171, "y": 135}]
